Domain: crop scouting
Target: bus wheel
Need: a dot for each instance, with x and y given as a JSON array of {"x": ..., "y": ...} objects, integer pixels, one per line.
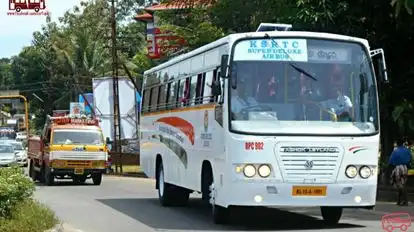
[
  {"x": 220, "y": 214},
  {"x": 36, "y": 9},
  {"x": 168, "y": 194},
  {"x": 331, "y": 215},
  {"x": 18, "y": 9}
]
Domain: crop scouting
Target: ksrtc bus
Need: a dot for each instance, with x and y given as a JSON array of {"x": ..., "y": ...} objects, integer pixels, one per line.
[{"x": 267, "y": 118}]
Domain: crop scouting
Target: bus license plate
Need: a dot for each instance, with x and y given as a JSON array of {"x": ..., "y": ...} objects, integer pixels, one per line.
[
  {"x": 79, "y": 171},
  {"x": 309, "y": 191}
]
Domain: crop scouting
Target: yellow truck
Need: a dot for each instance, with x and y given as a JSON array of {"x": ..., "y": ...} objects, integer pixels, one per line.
[{"x": 69, "y": 147}]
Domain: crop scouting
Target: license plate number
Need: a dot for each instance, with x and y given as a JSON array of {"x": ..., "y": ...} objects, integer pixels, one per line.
[
  {"x": 79, "y": 171},
  {"x": 309, "y": 191}
]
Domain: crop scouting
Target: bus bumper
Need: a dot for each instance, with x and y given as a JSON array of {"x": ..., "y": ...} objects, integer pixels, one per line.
[
  {"x": 77, "y": 171},
  {"x": 360, "y": 195}
]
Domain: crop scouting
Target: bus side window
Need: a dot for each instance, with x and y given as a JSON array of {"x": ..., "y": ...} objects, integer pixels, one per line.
[
  {"x": 167, "y": 94},
  {"x": 163, "y": 96},
  {"x": 193, "y": 90},
  {"x": 154, "y": 98},
  {"x": 200, "y": 87},
  {"x": 184, "y": 91},
  {"x": 208, "y": 81},
  {"x": 172, "y": 99},
  {"x": 216, "y": 80},
  {"x": 146, "y": 101}
]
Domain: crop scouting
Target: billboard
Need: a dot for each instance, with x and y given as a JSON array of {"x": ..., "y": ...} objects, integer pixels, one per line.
[
  {"x": 128, "y": 107},
  {"x": 89, "y": 98},
  {"x": 76, "y": 108}
]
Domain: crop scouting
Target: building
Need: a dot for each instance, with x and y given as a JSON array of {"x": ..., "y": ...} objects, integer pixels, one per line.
[{"x": 160, "y": 43}]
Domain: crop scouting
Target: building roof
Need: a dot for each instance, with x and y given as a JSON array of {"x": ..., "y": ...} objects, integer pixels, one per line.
[{"x": 144, "y": 17}]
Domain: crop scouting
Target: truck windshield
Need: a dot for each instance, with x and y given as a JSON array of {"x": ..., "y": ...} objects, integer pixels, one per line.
[
  {"x": 86, "y": 137},
  {"x": 302, "y": 86}
]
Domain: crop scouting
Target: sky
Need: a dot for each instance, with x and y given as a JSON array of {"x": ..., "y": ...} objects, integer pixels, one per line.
[{"x": 17, "y": 30}]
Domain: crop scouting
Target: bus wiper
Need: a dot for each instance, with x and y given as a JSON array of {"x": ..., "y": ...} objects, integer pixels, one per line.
[
  {"x": 302, "y": 71},
  {"x": 267, "y": 36}
]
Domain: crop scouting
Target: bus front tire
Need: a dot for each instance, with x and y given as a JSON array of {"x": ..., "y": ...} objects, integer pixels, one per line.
[
  {"x": 168, "y": 194},
  {"x": 221, "y": 215},
  {"x": 331, "y": 215}
]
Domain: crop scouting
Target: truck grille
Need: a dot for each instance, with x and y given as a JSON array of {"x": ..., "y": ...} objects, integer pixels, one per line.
[
  {"x": 309, "y": 164},
  {"x": 75, "y": 155}
]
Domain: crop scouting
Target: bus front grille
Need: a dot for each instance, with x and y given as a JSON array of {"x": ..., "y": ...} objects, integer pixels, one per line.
[{"x": 309, "y": 167}]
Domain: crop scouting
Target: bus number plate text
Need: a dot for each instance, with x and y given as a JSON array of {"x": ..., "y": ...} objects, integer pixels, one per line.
[
  {"x": 309, "y": 191},
  {"x": 254, "y": 145}
]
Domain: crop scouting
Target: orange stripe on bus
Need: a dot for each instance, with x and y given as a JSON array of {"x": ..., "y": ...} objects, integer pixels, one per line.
[
  {"x": 192, "y": 108},
  {"x": 181, "y": 124}
]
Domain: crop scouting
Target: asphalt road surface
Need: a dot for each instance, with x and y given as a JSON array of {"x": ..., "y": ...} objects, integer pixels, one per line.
[{"x": 123, "y": 204}]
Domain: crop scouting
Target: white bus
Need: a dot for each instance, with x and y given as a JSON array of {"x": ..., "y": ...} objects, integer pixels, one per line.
[{"x": 267, "y": 118}]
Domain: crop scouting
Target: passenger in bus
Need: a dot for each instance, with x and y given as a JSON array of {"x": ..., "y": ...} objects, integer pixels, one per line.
[
  {"x": 240, "y": 99},
  {"x": 186, "y": 94},
  {"x": 267, "y": 91}
]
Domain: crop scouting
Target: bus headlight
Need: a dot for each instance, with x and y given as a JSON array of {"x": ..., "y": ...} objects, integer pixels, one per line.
[
  {"x": 351, "y": 171},
  {"x": 365, "y": 172},
  {"x": 249, "y": 170},
  {"x": 264, "y": 170}
]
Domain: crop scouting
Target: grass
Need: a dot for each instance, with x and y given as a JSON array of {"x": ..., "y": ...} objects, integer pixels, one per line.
[
  {"x": 129, "y": 168},
  {"x": 29, "y": 216}
]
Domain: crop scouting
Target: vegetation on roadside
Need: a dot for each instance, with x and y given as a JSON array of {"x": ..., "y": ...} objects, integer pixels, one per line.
[{"x": 19, "y": 212}]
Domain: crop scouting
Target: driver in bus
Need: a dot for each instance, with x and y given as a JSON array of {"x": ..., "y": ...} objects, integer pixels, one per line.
[
  {"x": 341, "y": 105},
  {"x": 240, "y": 99}
]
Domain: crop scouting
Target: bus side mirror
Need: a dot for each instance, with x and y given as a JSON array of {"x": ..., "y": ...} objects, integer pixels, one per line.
[
  {"x": 216, "y": 88},
  {"x": 224, "y": 66},
  {"x": 381, "y": 65}
]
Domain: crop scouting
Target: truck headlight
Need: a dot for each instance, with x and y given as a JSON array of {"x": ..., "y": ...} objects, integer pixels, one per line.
[
  {"x": 365, "y": 172},
  {"x": 351, "y": 171},
  {"x": 249, "y": 170}
]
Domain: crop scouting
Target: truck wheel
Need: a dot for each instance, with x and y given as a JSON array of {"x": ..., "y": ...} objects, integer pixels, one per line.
[
  {"x": 97, "y": 179},
  {"x": 32, "y": 172},
  {"x": 49, "y": 177}
]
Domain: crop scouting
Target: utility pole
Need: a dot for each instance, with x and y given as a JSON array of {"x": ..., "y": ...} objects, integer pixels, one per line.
[{"x": 115, "y": 91}]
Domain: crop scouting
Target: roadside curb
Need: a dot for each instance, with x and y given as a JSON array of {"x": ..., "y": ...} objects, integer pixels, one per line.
[
  {"x": 63, "y": 227},
  {"x": 129, "y": 174}
]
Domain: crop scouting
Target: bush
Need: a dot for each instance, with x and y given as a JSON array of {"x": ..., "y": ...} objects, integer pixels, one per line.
[
  {"x": 14, "y": 188},
  {"x": 28, "y": 216}
]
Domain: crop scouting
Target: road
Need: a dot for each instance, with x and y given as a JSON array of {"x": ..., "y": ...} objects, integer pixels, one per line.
[{"x": 123, "y": 204}]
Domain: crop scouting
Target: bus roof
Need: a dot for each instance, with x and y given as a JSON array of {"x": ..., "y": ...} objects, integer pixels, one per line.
[{"x": 233, "y": 37}]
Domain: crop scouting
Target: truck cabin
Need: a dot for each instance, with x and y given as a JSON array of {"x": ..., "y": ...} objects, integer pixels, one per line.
[{"x": 67, "y": 131}]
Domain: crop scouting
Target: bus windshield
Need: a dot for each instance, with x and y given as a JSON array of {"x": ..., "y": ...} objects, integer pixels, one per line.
[{"x": 302, "y": 86}]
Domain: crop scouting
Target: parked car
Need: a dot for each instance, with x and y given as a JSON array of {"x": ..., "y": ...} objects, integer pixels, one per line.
[
  {"x": 7, "y": 155},
  {"x": 21, "y": 153}
]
